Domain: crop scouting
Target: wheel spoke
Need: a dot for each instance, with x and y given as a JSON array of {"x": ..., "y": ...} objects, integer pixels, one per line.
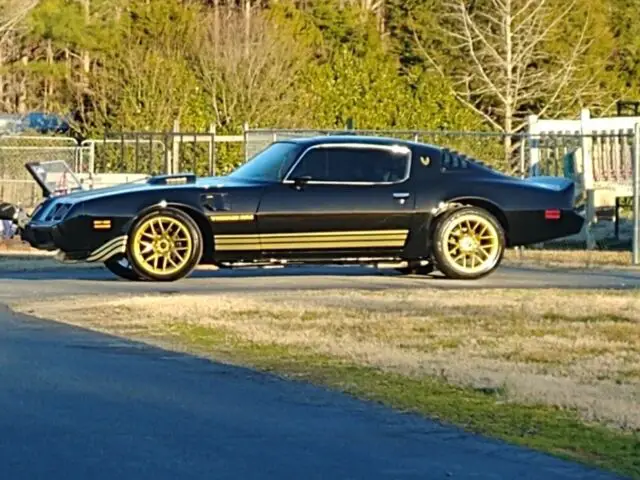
[
  {"x": 171, "y": 261},
  {"x": 178, "y": 235},
  {"x": 179, "y": 255},
  {"x": 475, "y": 255},
  {"x": 148, "y": 247}
]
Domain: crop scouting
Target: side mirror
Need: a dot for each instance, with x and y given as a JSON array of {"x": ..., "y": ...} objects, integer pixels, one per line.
[{"x": 300, "y": 182}]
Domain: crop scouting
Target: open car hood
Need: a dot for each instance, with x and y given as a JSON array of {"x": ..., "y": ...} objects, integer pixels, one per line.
[{"x": 54, "y": 178}]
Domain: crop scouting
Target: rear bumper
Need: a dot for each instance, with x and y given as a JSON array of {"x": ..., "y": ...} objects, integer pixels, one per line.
[{"x": 526, "y": 228}]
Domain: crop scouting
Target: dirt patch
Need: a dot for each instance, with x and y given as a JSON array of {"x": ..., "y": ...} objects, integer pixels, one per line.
[
  {"x": 568, "y": 258},
  {"x": 14, "y": 245}
]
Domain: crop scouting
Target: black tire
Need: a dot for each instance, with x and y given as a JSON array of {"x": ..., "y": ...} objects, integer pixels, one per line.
[
  {"x": 119, "y": 265},
  {"x": 171, "y": 236},
  {"x": 455, "y": 244},
  {"x": 417, "y": 269}
]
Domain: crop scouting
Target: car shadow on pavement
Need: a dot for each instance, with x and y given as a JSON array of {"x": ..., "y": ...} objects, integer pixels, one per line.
[{"x": 101, "y": 274}]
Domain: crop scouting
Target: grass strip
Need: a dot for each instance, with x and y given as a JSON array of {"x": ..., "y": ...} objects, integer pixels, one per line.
[{"x": 559, "y": 432}]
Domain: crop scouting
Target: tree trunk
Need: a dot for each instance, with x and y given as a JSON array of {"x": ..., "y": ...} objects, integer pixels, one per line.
[
  {"x": 48, "y": 83},
  {"x": 2, "y": 93},
  {"x": 216, "y": 26},
  {"x": 247, "y": 27},
  {"x": 86, "y": 57},
  {"x": 509, "y": 108},
  {"x": 22, "y": 93}
]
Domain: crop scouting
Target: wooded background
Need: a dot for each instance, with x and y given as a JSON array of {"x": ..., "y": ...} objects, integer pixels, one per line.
[{"x": 113, "y": 65}]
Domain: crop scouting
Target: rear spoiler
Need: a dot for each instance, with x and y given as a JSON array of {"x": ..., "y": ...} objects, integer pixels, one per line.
[{"x": 556, "y": 184}]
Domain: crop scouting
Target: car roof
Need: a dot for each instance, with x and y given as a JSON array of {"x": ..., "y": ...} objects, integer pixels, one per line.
[{"x": 358, "y": 139}]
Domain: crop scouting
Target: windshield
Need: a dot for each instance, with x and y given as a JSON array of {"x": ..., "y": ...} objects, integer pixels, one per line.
[{"x": 271, "y": 164}]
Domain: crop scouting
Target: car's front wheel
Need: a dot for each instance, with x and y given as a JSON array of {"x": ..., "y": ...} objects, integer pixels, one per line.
[
  {"x": 120, "y": 266},
  {"x": 164, "y": 245},
  {"x": 468, "y": 243}
]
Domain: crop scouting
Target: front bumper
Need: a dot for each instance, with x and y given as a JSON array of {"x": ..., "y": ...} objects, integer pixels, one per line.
[
  {"x": 41, "y": 237},
  {"x": 72, "y": 247}
]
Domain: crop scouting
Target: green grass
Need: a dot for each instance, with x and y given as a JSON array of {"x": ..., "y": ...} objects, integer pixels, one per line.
[{"x": 559, "y": 432}]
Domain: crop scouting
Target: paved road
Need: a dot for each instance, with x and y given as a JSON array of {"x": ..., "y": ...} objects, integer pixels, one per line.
[
  {"x": 79, "y": 405},
  {"x": 57, "y": 281}
]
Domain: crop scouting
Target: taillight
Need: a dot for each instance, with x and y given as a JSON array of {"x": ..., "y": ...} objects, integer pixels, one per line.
[{"x": 553, "y": 214}]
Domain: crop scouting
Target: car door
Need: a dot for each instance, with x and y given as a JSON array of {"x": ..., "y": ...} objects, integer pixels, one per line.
[{"x": 337, "y": 200}]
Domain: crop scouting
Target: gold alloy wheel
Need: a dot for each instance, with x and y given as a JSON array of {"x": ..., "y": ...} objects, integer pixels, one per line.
[
  {"x": 162, "y": 245},
  {"x": 472, "y": 244}
]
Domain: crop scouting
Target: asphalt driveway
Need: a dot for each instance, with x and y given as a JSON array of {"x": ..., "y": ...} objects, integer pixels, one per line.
[{"x": 80, "y": 405}]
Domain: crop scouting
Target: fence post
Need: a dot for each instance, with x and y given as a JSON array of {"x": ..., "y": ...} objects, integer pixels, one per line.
[
  {"x": 212, "y": 150},
  {"x": 245, "y": 132},
  {"x": 167, "y": 154},
  {"x": 175, "y": 167},
  {"x": 636, "y": 194},
  {"x": 523, "y": 145},
  {"x": 92, "y": 158},
  {"x": 588, "y": 175}
]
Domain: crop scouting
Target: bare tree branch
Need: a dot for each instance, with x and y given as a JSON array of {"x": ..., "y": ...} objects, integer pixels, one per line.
[
  {"x": 254, "y": 83},
  {"x": 506, "y": 68},
  {"x": 12, "y": 12}
]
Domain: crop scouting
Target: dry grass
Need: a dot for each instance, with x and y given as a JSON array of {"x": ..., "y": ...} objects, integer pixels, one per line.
[
  {"x": 569, "y": 349},
  {"x": 569, "y": 258}
]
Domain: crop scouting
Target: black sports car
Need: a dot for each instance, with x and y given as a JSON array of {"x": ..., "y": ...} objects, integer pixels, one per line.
[{"x": 330, "y": 200}]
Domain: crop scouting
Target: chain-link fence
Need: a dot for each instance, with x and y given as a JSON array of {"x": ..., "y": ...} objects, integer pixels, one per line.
[
  {"x": 203, "y": 153},
  {"x": 16, "y": 185},
  {"x": 508, "y": 153},
  {"x": 601, "y": 163}
]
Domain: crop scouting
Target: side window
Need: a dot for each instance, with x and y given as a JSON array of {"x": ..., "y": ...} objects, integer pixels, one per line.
[{"x": 353, "y": 165}]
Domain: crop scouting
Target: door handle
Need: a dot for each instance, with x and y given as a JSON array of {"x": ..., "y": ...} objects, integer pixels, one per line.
[{"x": 401, "y": 195}]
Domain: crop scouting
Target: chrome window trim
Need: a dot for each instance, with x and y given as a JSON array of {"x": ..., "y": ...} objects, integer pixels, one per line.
[{"x": 356, "y": 146}]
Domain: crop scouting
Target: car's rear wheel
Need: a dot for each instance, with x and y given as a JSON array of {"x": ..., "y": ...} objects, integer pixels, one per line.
[
  {"x": 120, "y": 266},
  {"x": 164, "y": 245},
  {"x": 468, "y": 243}
]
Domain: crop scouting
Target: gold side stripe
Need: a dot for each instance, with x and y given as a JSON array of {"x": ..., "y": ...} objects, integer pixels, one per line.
[
  {"x": 290, "y": 236},
  {"x": 232, "y": 218},
  {"x": 338, "y": 233},
  {"x": 238, "y": 248},
  {"x": 401, "y": 238},
  {"x": 308, "y": 245}
]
